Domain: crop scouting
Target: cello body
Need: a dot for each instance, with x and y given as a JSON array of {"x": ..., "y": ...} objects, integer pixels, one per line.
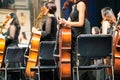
[
  {"x": 33, "y": 54},
  {"x": 116, "y": 52},
  {"x": 2, "y": 50},
  {"x": 65, "y": 54},
  {"x": 34, "y": 47},
  {"x": 3, "y": 41}
]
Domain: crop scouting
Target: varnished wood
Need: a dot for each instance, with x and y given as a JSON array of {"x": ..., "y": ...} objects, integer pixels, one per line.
[
  {"x": 116, "y": 51},
  {"x": 65, "y": 54},
  {"x": 33, "y": 54},
  {"x": 2, "y": 50}
]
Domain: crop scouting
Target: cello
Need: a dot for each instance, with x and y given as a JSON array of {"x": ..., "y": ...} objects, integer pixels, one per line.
[
  {"x": 116, "y": 51},
  {"x": 34, "y": 49},
  {"x": 3, "y": 42},
  {"x": 65, "y": 53},
  {"x": 65, "y": 50},
  {"x": 2, "y": 49},
  {"x": 33, "y": 54}
]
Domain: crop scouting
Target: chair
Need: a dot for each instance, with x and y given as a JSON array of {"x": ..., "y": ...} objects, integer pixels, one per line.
[
  {"x": 14, "y": 56},
  {"x": 93, "y": 47},
  {"x": 87, "y": 26},
  {"x": 46, "y": 58}
]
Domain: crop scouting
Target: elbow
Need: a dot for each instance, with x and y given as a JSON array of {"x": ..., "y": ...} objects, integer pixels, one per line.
[{"x": 81, "y": 24}]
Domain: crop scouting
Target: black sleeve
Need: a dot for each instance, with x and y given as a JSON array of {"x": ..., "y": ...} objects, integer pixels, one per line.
[{"x": 47, "y": 27}]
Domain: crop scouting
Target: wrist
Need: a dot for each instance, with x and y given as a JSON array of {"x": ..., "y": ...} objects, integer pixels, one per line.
[{"x": 66, "y": 23}]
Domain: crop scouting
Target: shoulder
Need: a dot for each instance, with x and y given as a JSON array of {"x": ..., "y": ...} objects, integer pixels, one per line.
[{"x": 81, "y": 5}]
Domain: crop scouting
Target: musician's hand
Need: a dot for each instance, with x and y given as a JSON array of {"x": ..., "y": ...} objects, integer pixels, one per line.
[
  {"x": 34, "y": 30},
  {"x": 61, "y": 21}
]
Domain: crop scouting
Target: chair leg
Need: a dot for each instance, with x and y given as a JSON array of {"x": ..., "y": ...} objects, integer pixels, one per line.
[
  {"x": 6, "y": 65},
  {"x": 73, "y": 76},
  {"x": 112, "y": 73},
  {"x": 38, "y": 72},
  {"x": 75, "y": 73},
  {"x": 112, "y": 62},
  {"x": 53, "y": 73}
]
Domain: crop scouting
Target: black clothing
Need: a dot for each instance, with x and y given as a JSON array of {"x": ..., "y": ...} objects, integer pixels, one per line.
[
  {"x": 109, "y": 30},
  {"x": 12, "y": 43},
  {"x": 74, "y": 16},
  {"x": 49, "y": 29}
]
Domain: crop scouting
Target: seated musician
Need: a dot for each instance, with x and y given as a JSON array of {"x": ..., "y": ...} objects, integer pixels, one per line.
[
  {"x": 11, "y": 32},
  {"x": 107, "y": 27},
  {"x": 49, "y": 27},
  {"x": 12, "y": 29}
]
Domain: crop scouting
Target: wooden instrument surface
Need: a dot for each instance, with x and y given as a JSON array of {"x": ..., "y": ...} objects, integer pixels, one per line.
[
  {"x": 2, "y": 50},
  {"x": 65, "y": 54},
  {"x": 35, "y": 46},
  {"x": 3, "y": 42},
  {"x": 116, "y": 52},
  {"x": 33, "y": 54}
]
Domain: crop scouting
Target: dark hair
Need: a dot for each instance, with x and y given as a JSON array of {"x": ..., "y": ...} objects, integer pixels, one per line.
[
  {"x": 51, "y": 6},
  {"x": 24, "y": 35},
  {"x": 15, "y": 21}
]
